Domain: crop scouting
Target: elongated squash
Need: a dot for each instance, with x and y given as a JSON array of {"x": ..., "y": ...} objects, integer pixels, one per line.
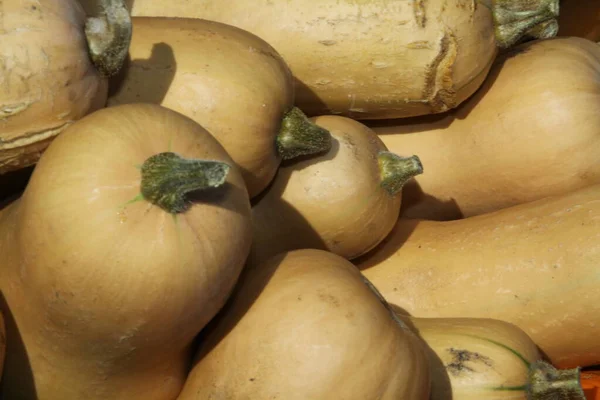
[
  {"x": 483, "y": 358},
  {"x": 374, "y": 59},
  {"x": 228, "y": 80},
  {"x": 53, "y": 69},
  {"x": 533, "y": 130},
  {"x": 534, "y": 265},
  {"x": 127, "y": 240},
  {"x": 305, "y": 325}
]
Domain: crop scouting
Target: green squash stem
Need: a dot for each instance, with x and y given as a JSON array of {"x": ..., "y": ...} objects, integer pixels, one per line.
[
  {"x": 549, "y": 383},
  {"x": 395, "y": 171},
  {"x": 167, "y": 178},
  {"x": 515, "y": 19},
  {"x": 109, "y": 36},
  {"x": 299, "y": 136}
]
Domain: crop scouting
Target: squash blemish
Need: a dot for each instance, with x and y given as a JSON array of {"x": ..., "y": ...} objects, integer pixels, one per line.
[{"x": 461, "y": 357}]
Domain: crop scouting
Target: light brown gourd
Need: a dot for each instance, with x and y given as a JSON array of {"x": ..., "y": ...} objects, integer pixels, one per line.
[
  {"x": 580, "y": 18},
  {"x": 484, "y": 358},
  {"x": 127, "y": 240},
  {"x": 373, "y": 59},
  {"x": 230, "y": 81},
  {"x": 531, "y": 131},
  {"x": 344, "y": 201},
  {"x": 54, "y": 63},
  {"x": 306, "y": 326},
  {"x": 534, "y": 265},
  {"x": 2, "y": 344}
]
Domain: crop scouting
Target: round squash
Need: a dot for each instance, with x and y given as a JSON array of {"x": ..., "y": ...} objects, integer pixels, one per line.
[
  {"x": 344, "y": 201},
  {"x": 378, "y": 58},
  {"x": 534, "y": 265},
  {"x": 533, "y": 130},
  {"x": 483, "y": 358},
  {"x": 54, "y": 63},
  {"x": 307, "y": 326},
  {"x": 127, "y": 240},
  {"x": 580, "y": 18},
  {"x": 230, "y": 81}
]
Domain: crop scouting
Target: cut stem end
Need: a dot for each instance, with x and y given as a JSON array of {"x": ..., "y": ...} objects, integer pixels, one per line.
[
  {"x": 299, "y": 136},
  {"x": 516, "y": 19},
  {"x": 396, "y": 171},
  {"x": 167, "y": 178},
  {"x": 109, "y": 36},
  {"x": 549, "y": 383}
]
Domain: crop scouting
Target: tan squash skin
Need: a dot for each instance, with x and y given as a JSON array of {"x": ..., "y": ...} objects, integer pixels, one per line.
[
  {"x": 580, "y": 18},
  {"x": 228, "y": 80},
  {"x": 2, "y": 344},
  {"x": 534, "y": 265},
  {"x": 333, "y": 202},
  {"x": 48, "y": 79},
  {"x": 107, "y": 293},
  {"x": 306, "y": 326},
  {"x": 367, "y": 59},
  {"x": 532, "y": 131}
]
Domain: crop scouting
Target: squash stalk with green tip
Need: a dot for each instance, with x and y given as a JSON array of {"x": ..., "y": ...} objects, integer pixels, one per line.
[
  {"x": 484, "y": 358},
  {"x": 345, "y": 200},
  {"x": 56, "y": 63},
  {"x": 128, "y": 239},
  {"x": 376, "y": 59},
  {"x": 228, "y": 80}
]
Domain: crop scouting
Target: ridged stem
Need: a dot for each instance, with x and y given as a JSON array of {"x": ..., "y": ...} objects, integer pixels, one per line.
[
  {"x": 299, "y": 136},
  {"x": 515, "y": 19},
  {"x": 167, "y": 178},
  {"x": 549, "y": 383},
  {"x": 109, "y": 35},
  {"x": 395, "y": 171}
]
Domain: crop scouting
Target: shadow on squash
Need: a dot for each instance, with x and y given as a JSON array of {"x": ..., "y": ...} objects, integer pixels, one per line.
[
  {"x": 16, "y": 354},
  {"x": 160, "y": 69},
  {"x": 13, "y": 183},
  {"x": 399, "y": 234},
  {"x": 441, "y": 388}
]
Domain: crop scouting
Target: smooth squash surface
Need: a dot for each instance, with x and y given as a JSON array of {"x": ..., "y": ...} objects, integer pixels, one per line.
[
  {"x": 106, "y": 287},
  {"x": 306, "y": 326},
  {"x": 344, "y": 201},
  {"x": 228, "y": 80},
  {"x": 580, "y": 18},
  {"x": 534, "y": 265},
  {"x": 533, "y": 130}
]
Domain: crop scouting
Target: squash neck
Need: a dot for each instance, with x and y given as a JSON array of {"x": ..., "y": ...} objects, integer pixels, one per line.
[{"x": 549, "y": 383}]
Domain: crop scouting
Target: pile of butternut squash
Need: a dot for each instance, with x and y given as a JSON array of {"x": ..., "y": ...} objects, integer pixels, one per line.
[{"x": 293, "y": 199}]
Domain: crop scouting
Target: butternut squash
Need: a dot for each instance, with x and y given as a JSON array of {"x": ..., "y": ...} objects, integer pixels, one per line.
[
  {"x": 374, "y": 59},
  {"x": 228, "y": 80},
  {"x": 483, "y": 358},
  {"x": 2, "y": 344},
  {"x": 127, "y": 240},
  {"x": 534, "y": 265},
  {"x": 511, "y": 142},
  {"x": 306, "y": 326},
  {"x": 53, "y": 69},
  {"x": 580, "y": 18},
  {"x": 344, "y": 201}
]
